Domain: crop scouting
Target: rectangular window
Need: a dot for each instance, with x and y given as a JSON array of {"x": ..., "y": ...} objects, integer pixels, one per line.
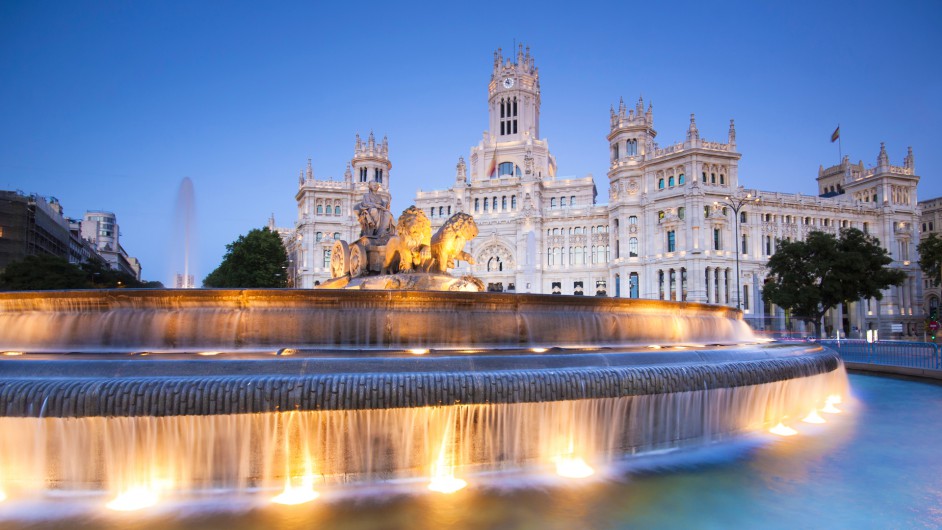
[
  {"x": 745, "y": 297},
  {"x": 327, "y": 259},
  {"x": 717, "y": 240},
  {"x": 671, "y": 241}
]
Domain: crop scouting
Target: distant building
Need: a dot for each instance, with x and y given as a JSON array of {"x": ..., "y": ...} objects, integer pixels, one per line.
[
  {"x": 184, "y": 281},
  {"x": 30, "y": 225},
  {"x": 931, "y": 220},
  {"x": 100, "y": 228},
  {"x": 665, "y": 234}
]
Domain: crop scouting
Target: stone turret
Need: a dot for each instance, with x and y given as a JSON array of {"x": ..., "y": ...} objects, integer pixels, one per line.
[{"x": 370, "y": 161}]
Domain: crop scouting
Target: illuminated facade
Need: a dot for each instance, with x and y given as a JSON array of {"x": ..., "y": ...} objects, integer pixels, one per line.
[{"x": 665, "y": 233}]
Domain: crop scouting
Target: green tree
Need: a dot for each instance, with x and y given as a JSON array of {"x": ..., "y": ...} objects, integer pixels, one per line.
[
  {"x": 42, "y": 272},
  {"x": 257, "y": 259},
  {"x": 930, "y": 258},
  {"x": 810, "y": 277},
  {"x": 100, "y": 276}
]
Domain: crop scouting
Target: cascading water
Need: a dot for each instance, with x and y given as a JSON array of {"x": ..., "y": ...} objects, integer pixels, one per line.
[
  {"x": 316, "y": 389},
  {"x": 241, "y": 451}
]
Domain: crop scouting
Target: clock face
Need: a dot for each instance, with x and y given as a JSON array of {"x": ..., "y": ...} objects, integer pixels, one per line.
[{"x": 509, "y": 82}]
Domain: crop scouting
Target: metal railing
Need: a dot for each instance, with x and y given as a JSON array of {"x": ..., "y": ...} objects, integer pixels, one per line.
[{"x": 925, "y": 355}]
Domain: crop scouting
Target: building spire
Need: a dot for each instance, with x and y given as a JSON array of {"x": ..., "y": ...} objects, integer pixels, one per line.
[
  {"x": 882, "y": 158},
  {"x": 347, "y": 175},
  {"x": 639, "y": 108},
  {"x": 732, "y": 133},
  {"x": 310, "y": 170},
  {"x": 909, "y": 162},
  {"x": 693, "y": 134},
  {"x": 358, "y": 146}
]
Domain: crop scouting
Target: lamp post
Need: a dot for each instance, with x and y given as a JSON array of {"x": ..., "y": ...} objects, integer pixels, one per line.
[{"x": 735, "y": 203}]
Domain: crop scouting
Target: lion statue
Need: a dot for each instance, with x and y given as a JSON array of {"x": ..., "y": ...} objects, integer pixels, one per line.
[
  {"x": 448, "y": 242},
  {"x": 410, "y": 248}
]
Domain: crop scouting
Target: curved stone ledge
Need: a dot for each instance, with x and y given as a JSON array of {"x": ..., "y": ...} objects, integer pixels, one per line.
[{"x": 251, "y": 393}]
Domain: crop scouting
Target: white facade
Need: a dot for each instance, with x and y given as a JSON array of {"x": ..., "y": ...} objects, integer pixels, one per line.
[
  {"x": 325, "y": 211},
  {"x": 100, "y": 228},
  {"x": 931, "y": 224},
  {"x": 665, "y": 233}
]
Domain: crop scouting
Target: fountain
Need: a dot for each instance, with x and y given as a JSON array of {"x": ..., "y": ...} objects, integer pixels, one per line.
[{"x": 140, "y": 395}]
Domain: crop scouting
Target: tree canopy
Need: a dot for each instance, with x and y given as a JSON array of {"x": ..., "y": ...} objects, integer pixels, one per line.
[
  {"x": 42, "y": 272},
  {"x": 45, "y": 272},
  {"x": 930, "y": 258},
  {"x": 257, "y": 259},
  {"x": 808, "y": 278}
]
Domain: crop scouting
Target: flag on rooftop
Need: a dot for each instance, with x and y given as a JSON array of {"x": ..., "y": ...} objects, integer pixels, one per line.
[{"x": 836, "y": 134}]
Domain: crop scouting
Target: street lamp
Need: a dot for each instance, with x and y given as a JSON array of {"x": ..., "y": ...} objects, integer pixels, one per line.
[{"x": 735, "y": 203}]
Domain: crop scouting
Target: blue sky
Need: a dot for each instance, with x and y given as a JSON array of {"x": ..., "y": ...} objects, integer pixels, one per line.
[{"x": 108, "y": 105}]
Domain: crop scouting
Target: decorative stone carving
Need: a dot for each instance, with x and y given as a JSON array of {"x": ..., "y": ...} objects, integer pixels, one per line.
[
  {"x": 410, "y": 248},
  {"x": 376, "y": 221},
  {"x": 448, "y": 242}
]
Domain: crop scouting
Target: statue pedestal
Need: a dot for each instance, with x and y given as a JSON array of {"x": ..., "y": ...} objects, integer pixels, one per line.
[{"x": 413, "y": 281}]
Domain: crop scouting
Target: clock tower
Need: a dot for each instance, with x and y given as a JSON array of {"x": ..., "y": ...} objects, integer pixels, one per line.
[{"x": 514, "y": 98}]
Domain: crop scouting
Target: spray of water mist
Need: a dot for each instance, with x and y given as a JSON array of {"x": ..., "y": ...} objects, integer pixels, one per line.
[{"x": 184, "y": 231}]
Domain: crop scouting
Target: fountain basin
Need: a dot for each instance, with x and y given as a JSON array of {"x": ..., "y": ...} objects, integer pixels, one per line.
[
  {"x": 193, "y": 320},
  {"x": 318, "y": 388}
]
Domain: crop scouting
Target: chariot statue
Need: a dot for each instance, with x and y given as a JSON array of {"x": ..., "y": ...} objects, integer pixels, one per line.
[{"x": 402, "y": 255}]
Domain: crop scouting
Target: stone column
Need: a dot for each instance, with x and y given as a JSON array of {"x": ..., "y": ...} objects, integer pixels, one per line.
[{"x": 709, "y": 285}]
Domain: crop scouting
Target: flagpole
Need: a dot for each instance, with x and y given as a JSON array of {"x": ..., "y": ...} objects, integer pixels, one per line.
[{"x": 840, "y": 150}]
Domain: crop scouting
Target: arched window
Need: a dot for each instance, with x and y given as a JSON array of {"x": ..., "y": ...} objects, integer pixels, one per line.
[
  {"x": 449, "y": 210},
  {"x": 549, "y": 257},
  {"x": 513, "y": 202},
  {"x": 431, "y": 212},
  {"x": 633, "y": 247},
  {"x": 670, "y": 182},
  {"x": 319, "y": 236},
  {"x": 553, "y": 202},
  {"x": 486, "y": 202},
  {"x": 578, "y": 256},
  {"x": 562, "y": 202},
  {"x": 632, "y": 219},
  {"x": 660, "y": 184},
  {"x": 722, "y": 179},
  {"x": 557, "y": 256},
  {"x": 477, "y": 205},
  {"x": 495, "y": 264},
  {"x": 441, "y": 211},
  {"x": 505, "y": 169},
  {"x": 704, "y": 177},
  {"x": 494, "y": 203},
  {"x": 712, "y": 178},
  {"x": 680, "y": 179},
  {"x": 633, "y": 287},
  {"x": 745, "y": 244},
  {"x": 555, "y": 231},
  {"x": 681, "y": 212},
  {"x": 336, "y": 236},
  {"x": 743, "y": 217},
  {"x": 572, "y": 201},
  {"x": 379, "y": 175},
  {"x": 503, "y": 202},
  {"x": 320, "y": 209},
  {"x": 337, "y": 210}
]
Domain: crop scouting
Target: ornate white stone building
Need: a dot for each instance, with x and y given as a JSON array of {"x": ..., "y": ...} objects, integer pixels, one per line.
[
  {"x": 931, "y": 224},
  {"x": 666, "y": 233}
]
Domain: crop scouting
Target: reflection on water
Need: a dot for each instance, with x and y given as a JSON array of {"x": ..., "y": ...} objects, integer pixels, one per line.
[{"x": 876, "y": 465}]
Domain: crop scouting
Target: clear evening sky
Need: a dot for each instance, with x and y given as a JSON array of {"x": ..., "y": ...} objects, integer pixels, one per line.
[{"x": 108, "y": 105}]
